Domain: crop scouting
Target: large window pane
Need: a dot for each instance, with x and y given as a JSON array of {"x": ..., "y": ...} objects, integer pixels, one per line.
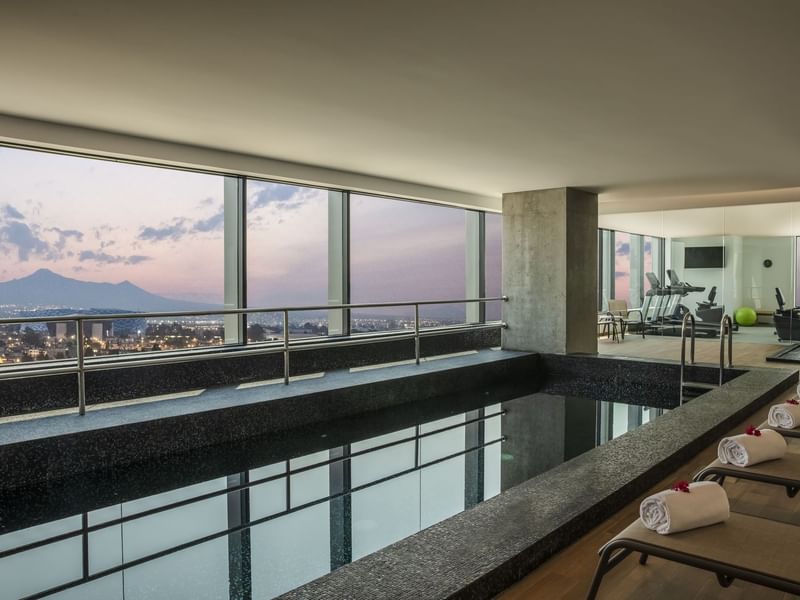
[
  {"x": 622, "y": 265},
  {"x": 287, "y": 257},
  {"x": 403, "y": 251},
  {"x": 93, "y": 236},
  {"x": 647, "y": 253}
]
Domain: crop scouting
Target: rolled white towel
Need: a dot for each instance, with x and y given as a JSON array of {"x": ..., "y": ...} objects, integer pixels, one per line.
[
  {"x": 671, "y": 511},
  {"x": 785, "y": 416},
  {"x": 745, "y": 450}
]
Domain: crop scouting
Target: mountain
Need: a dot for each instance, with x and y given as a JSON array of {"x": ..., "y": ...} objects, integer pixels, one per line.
[{"x": 44, "y": 287}]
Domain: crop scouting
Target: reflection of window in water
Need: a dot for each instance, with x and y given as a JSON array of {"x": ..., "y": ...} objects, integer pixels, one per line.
[{"x": 274, "y": 527}]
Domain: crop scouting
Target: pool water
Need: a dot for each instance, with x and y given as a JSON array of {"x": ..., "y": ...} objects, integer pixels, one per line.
[{"x": 286, "y": 509}]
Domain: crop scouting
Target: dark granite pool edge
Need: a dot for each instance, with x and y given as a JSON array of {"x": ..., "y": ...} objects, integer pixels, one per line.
[
  {"x": 175, "y": 426},
  {"x": 481, "y": 552}
]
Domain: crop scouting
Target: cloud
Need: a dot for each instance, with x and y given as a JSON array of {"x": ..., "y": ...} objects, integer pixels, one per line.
[
  {"x": 12, "y": 213},
  {"x": 19, "y": 235},
  {"x": 112, "y": 259},
  {"x": 135, "y": 259},
  {"x": 206, "y": 202},
  {"x": 166, "y": 232},
  {"x": 64, "y": 235},
  {"x": 212, "y": 223},
  {"x": 282, "y": 195}
]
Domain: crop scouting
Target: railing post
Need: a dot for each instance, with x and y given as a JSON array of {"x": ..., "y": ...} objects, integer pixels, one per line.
[
  {"x": 286, "y": 347},
  {"x": 725, "y": 328},
  {"x": 687, "y": 318},
  {"x": 416, "y": 333},
  {"x": 730, "y": 343},
  {"x": 81, "y": 367}
]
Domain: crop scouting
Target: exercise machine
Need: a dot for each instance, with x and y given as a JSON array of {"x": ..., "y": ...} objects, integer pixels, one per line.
[
  {"x": 787, "y": 321},
  {"x": 707, "y": 310},
  {"x": 663, "y": 312}
]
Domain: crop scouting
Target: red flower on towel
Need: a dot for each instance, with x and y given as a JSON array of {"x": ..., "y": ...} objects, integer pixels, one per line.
[
  {"x": 681, "y": 486},
  {"x": 792, "y": 401},
  {"x": 752, "y": 430}
]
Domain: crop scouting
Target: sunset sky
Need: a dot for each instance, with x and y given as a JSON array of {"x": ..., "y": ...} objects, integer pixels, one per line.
[{"x": 161, "y": 229}]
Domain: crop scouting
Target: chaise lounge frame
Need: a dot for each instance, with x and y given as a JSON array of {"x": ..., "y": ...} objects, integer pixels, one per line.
[
  {"x": 782, "y": 471},
  {"x": 769, "y": 566}
]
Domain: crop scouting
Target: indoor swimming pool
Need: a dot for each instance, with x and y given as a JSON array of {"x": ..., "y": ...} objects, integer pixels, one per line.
[{"x": 260, "y": 518}]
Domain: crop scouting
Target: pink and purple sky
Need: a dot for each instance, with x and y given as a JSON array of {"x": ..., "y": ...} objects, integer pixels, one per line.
[{"x": 161, "y": 229}]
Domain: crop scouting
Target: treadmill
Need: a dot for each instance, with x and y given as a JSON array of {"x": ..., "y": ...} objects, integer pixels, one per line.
[{"x": 668, "y": 312}]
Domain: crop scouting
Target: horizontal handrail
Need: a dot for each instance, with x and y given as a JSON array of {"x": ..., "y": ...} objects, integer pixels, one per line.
[
  {"x": 232, "y": 311},
  {"x": 81, "y": 364}
]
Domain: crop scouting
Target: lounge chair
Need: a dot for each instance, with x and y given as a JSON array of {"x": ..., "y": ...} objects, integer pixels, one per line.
[
  {"x": 790, "y": 433},
  {"x": 619, "y": 311},
  {"x": 783, "y": 471},
  {"x": 609, "y": 326},
  {"x": 743, "y": 547}
]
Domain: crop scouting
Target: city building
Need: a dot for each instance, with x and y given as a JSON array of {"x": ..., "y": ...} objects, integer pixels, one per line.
[{"x": 421, "y": 300}]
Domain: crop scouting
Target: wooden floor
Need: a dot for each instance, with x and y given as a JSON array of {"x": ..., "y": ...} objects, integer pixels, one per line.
[
  {"x": 669, "y": 348},
  {"x": 567, "y": 575}
]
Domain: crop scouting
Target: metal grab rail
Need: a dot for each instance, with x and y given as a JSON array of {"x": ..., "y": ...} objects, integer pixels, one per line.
[
  {"x": 725, "y": 327},
  {"x": 687, "y": 318},
  {"x": 80, "y": 367}
]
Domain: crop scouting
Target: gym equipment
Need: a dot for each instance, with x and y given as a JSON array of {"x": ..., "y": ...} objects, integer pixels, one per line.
[
  {"x": 745, "y": 316},
  {"x": 663, "y": 312},
  {"x": 707, "y": 310},
  {"x": 787, "y": 321}
]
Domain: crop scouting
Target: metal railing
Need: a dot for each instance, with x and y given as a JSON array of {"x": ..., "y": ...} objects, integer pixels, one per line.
[
  {"x": 725, "y": 327},
  {"x": 687, "y": 318},
  {"x": 80, "y": 366}
]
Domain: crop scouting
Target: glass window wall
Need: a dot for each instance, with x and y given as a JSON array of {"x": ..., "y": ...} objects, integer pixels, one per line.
[{"x": 96, "y": 236}]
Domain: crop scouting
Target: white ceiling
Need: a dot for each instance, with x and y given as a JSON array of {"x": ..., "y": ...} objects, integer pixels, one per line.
[{"x": 637, "y": 99}]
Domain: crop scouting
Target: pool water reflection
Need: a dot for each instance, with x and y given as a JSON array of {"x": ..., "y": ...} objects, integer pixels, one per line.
[{"x": 258, "y": 532}]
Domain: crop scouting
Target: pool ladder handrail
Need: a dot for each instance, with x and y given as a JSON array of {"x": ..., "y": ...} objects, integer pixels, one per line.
[
  {"x": 725, "y": 329},
  {"x": 687, "y": 318}
]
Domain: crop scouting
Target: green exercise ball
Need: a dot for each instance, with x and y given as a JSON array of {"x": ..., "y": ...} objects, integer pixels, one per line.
[{"x": 745, "y": 316}]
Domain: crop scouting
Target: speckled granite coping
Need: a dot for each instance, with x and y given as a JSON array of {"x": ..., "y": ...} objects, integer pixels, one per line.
[
  {"x": 59, "y": 446},
  {"x": 482, "y": 551}
]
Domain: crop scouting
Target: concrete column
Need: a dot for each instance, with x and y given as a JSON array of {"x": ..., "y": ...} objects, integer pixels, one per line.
[{"x": 550, "y": 270}]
